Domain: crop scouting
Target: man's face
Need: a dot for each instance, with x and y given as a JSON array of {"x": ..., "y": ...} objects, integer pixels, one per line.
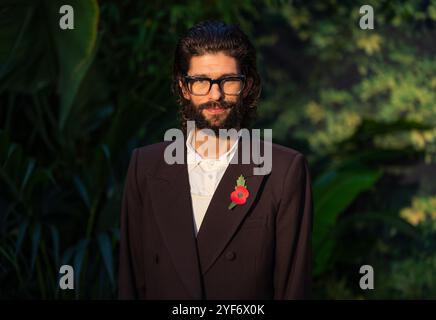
[{"x": 214, "y": 110}]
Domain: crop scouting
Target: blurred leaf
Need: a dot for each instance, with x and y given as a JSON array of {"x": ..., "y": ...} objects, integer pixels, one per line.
[
  {"x": 75, "y": 48},
  {"x": 106, "y": 152},
  {"x": 82, "y": 191},
  {"x": 67, "y": 255},
  {"x": 12, "y": 32},
  {"x": 370, "y": 128},
  {"x": 21, "y": 33},
  {"x": 105, "y": 246},
  {"x": 333, "y": 192},
  {"x": 384, "y": 219},
  {"x": 79, "y": 255},
  {"x": 29, "y": 170},
  {"x": 56, "y": 240},
  {"x": 36, "y": 238},
  {"x": 12, "y": 150},
  {"x": 8, "y": 253},
  {"x": 39, "y": 33},
  {"x": 20, "y": 237}
]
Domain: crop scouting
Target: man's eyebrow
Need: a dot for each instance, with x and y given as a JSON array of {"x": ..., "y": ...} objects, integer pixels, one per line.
[{"x": 206, "y": 76}]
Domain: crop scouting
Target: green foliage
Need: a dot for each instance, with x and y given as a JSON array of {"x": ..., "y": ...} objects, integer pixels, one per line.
[
  {"x": 362, "y": 103},
  {"x": 73, "y": 104},
  {"x": 411, "y": 278},
  {"x": 334, "y": 192},
  {"x": 75, "y": 49}
]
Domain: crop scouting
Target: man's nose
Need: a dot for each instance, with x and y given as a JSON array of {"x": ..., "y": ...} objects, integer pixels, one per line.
[{"x": 215, "y": 92}]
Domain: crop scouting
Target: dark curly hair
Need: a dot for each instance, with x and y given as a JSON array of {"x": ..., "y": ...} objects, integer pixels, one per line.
[{"x": 212, "y": 37}]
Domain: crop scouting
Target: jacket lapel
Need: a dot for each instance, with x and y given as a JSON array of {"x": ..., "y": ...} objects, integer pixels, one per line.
[
  {"x": 220, "y": 223},
  {"x": 172, "y": 206},
  {"x": 171, "y": 201}
]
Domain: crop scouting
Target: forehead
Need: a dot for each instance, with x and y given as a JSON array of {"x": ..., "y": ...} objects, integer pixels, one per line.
[{"x": 213, "y": 65}]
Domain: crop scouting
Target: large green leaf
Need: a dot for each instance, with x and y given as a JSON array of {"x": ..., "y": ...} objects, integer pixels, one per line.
[
  {"x": 75, "y": 48},
  {"x": 36, "y": 52},
  {"x": 26, "y": 52},
  {"x": 334, "y": 191}
]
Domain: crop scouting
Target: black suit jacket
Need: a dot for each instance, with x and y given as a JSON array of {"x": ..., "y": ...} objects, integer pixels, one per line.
[{"x": 258, "y": 250}]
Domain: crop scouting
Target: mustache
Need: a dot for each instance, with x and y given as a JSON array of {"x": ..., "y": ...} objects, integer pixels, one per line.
[{"x": 213, "y": 104}]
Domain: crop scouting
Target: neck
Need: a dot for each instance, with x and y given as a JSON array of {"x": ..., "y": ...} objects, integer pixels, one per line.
[{"x": 211, "y": 146}]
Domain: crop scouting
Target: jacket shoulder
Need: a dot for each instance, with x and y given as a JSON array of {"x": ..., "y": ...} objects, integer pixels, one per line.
[
  {"x": 283, "y": 156},
  {"x": 148, "y": 156},
  {"x": 283, "y": 151},
  {"x": 288, "y": 167},
  {"x": 152, "y": 149}
]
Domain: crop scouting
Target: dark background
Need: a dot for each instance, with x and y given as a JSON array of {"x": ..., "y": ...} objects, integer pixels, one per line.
[{"x": 360, "y": 104}]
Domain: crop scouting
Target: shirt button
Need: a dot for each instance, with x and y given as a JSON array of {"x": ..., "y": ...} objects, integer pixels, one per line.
[
  {"x": 230, "y": 255},
  {"x": 210, "y": 176}
]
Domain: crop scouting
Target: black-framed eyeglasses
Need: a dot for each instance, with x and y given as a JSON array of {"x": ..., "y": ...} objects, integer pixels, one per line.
[{"x": 200, "y": 86}]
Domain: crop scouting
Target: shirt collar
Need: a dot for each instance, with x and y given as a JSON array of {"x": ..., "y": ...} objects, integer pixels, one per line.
[{"x": 193, "y": 157}]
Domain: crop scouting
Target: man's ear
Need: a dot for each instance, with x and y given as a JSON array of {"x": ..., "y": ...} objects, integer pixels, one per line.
[{"x": 184, "y": 91}]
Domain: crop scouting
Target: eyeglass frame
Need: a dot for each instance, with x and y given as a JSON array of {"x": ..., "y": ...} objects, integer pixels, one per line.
[{"x": 217, "y": 81}]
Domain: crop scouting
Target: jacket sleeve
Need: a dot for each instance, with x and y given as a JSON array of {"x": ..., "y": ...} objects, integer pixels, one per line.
[
  {"x": 131, "y": 204},
  {"x": 293, "y": 251}
]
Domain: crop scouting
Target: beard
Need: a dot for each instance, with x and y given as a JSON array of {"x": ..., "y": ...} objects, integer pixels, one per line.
[{"x": 219, "y": 121}]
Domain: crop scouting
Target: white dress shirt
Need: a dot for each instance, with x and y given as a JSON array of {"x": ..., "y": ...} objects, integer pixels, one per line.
[{"x": 204, "y": 177}]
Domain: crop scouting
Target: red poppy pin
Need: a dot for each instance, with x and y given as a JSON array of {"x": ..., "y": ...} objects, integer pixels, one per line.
[{"x": 240, "y": 195}]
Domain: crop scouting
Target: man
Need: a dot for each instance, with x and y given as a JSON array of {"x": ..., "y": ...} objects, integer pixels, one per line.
[{"x": 210, "y": 228}]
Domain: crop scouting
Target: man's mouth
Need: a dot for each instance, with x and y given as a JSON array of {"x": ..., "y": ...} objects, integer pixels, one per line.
[{"x": 215, "y": 109}]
